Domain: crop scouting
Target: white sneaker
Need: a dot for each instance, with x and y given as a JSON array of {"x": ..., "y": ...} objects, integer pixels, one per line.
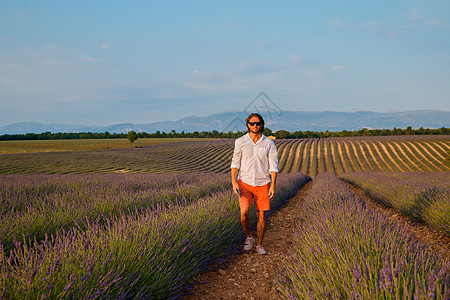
[
  {"x": 249, "y": 244},
  {"x": 260, "y": 250}
]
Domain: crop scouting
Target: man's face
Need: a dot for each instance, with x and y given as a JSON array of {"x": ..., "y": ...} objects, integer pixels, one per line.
[{"x": 254, "y": 128}]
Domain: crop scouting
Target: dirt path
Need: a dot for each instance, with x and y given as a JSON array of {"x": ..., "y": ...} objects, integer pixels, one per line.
[
  {"x": 337, "y": 163},
  {"x": 341, "y": 155},
  {"x": 374, "y": 159},
  {"x": 304, "y": 161},
  {"x": 400, "y": 160},
  {"x": 389, "y": 156},
  {"x": 252, "y": 276},
  {"x": 249, "y": 275},
  {"x": 438, "y": 145},
  {"x": 433, "y": 153},
  {"x": 361, "y": 149},
  {"x": 421, "y": 152},
  {"x": 297, "y": 157},
  {"x": 357, "y": 157},
  {"x": 425, "y": 167},
  {"x": 286, "y": 167},
  {"x": 399, "y": 147},
  {"x": 350, "y": 160}
]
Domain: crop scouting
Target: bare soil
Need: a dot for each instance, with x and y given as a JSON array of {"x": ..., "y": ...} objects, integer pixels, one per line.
[{"x": 252, "y": 276}]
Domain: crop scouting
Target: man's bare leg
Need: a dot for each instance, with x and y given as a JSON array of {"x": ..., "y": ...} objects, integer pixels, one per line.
[
  {"x": 245, "y": 221},
  {"x": 261, "y": 228}
]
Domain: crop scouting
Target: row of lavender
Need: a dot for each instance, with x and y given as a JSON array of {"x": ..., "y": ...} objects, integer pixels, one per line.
[
  {"x": 150, "y": 252},
  {"x": 424, "y": 196},
  {"x": 35, "y": 205},
  {"x": 342, "y": 249}
]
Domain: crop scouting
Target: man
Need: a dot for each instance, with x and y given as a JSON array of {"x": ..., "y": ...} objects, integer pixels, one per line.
[{"x": 254, "y": 169}]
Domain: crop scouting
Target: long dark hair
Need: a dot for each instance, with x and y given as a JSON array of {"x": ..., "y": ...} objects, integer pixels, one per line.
[{"x": 261, "y": 120}]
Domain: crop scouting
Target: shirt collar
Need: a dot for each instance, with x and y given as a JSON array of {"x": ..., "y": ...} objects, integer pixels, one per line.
[{"x": 263, "y": 137}]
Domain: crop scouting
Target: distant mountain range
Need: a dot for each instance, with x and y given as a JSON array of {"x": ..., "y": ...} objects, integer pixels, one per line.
[{"x": 234, "y": 121}]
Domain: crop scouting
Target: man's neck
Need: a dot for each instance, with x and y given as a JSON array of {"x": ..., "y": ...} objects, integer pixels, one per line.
[{"x": 255, "y": 136}]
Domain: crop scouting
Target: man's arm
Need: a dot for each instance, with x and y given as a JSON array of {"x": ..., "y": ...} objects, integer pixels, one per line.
[
  {"x": 273, "y": 169},
  {"x": 234, "y": 174},
  {"x": 273, "y": 176},
  {"x": 235, "y": 166}
]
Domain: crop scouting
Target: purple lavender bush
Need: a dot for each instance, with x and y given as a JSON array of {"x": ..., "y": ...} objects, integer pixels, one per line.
[
  {"x": 152, "y": 253},
  {"x": 35, "y": 205},
  {"x": 424, "y": 196},
  {"x": 342, "y": 249}
]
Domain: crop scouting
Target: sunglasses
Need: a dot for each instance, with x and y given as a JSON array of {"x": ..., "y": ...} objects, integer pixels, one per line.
[{"x": 254, "y": 123}]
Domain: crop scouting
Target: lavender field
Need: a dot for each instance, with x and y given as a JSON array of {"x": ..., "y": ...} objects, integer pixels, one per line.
[
  {"x": 35, "y": 205},
  {"x": 344, "y": 250},
  {"x": 310, "y": 156},
  {"x": 142, "y": 223},
  {"x": 117, "y": 236},
  {"x": 424, "y": 196}
]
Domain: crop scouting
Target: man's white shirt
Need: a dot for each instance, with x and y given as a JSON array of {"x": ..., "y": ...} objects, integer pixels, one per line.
[{"x": 255, "y": 161}]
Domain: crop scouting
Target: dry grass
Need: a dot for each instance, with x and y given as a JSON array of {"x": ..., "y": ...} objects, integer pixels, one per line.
[{"x": 14, "y": 147}]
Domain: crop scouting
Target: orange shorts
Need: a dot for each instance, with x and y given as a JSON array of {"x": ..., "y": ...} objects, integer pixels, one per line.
[{"x": 259, "y": 193}]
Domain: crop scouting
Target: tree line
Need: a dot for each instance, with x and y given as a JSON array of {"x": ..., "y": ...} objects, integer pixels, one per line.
[{"x": 279, "y": 134}]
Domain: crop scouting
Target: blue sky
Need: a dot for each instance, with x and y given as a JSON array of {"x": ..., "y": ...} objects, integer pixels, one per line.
[{"x": 107, "y": 62}]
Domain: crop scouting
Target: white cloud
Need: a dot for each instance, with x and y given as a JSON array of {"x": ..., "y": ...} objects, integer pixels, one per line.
[
  {"x": 262, "y": 44},
  {"x": 415, "y": 14},
  {"x": 446, "y": 56},
  {"x": 295, "y": 59},
  {"x": 87, "y": 58},
  {"x": 242, "y": 77},
  {"x": 410, "y": 26},
  {"x": 315, "y": 73},
  {"x": 373, "y": 25},
  {"x": 55, "y": 62},
  {"x": 104, "y": 46},
  {"x": 54, "y": 47},
  {"x": 337, "y": 68},
  {"x": 23, "y": 13},
  {"x": 434, "y": 23},
  {"x": 6, "y": 81},
  {"x": 336, "y": 23},
  {"x": 394, "y": 34},
  {"x": 231, "y": 25},
  {"x": 56, "y": 55}
]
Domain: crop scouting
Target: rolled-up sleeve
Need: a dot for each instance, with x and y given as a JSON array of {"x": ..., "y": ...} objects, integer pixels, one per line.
[
  {"x": 237, "y": 154},
  {"x": 273, "y": 158}
]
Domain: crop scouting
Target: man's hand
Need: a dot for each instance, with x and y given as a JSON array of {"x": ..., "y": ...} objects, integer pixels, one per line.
[
  {"x": 271, "y": 191},
  {"x": 234, "y": 174},
  {"x": 235, "y": 187},
  {"x": 273, "y": 176}
]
